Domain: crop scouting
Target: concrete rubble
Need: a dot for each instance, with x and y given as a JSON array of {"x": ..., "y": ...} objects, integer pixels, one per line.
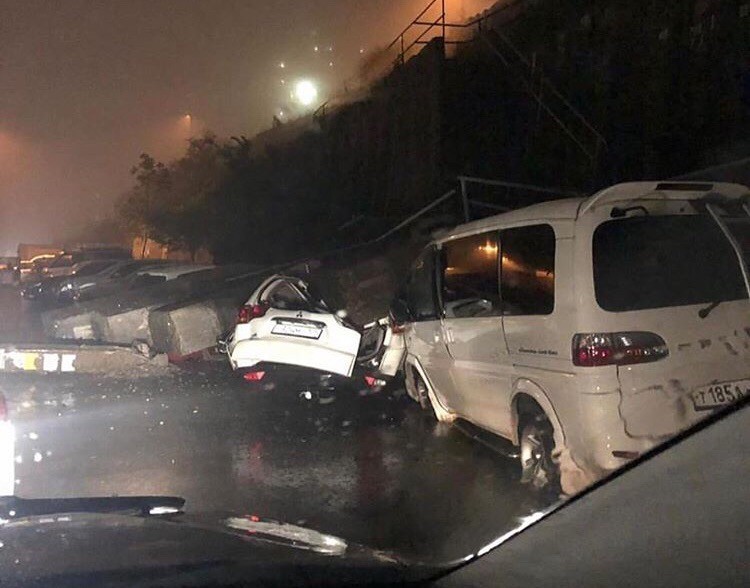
[
  {"x": 178, "y": 317},
  {"x": 81, "y": 359}
]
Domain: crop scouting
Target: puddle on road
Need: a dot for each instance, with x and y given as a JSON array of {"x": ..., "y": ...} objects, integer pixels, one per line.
[{"x": 374, "y": 469}]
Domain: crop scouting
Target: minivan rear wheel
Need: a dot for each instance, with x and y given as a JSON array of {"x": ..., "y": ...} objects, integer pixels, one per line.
[{"x": 537, "y": 444}]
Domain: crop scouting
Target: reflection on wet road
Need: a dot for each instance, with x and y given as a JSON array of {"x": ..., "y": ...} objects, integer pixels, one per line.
[{"x": 374, "y": 469}]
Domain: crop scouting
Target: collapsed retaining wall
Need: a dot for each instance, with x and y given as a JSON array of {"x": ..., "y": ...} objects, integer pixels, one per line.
[
  {"x": 186, "y": 328},
  {"x": 126, "y": 317}
]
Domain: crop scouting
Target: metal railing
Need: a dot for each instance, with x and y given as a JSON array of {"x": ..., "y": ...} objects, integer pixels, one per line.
[
  {"x": 509, "y": 188},
  {"x": 548, "y": 98},
  {"x": 530, "y": 74},
  {"x": 424, "y": 27},
  {"x": 539, "y": 86}
]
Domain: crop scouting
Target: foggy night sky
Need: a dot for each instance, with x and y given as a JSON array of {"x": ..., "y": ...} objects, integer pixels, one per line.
[{"x": 86, "y": 86}]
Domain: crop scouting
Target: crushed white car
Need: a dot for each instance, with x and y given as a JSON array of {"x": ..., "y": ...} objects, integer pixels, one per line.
[{"x": 284, "y": 322}]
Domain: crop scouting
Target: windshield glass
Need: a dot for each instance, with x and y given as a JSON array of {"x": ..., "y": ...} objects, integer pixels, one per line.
[
  {"x": 63, "y": 261},
  {"x": 662, "y": 261},
  {"x": 380, "y": 282},
  {"x": 94, "y": 267}
]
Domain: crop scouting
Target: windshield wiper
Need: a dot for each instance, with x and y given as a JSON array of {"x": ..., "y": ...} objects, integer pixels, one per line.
[
  {"x": 704, "y": 312},
  {"x": 13, "y": 507}
]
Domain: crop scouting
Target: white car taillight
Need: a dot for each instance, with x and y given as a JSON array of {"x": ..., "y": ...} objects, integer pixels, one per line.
[{"x": 248, "y": 313}]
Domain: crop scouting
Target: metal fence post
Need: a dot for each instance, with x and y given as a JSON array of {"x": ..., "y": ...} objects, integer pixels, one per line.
[
  {"x": 443, "y": 8},
  {"x": 465, "y": 200}
]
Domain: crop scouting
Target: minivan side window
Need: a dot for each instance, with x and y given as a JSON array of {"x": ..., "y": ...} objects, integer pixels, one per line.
[
  {"x": 469, "y": 276},
  {"x": 528, "y": 270},
  {"x": 420, "y": 288}
]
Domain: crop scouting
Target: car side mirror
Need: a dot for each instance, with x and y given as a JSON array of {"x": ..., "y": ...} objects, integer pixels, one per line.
[
  {"x": 400, "y": 311},
  {"x": 342, "y": 314}
]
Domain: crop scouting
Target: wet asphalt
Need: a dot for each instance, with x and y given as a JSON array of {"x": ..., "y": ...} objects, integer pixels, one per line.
[{"x": 372, "y": 468}]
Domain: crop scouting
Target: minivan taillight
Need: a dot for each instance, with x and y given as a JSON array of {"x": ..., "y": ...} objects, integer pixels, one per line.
[
  {"x": 249, "y": 312},
  {"x": 595, "y": 349}
]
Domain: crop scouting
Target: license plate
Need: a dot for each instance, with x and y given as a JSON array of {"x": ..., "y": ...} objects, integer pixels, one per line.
[
  {"x": 717, "y": 395},
  {"x": 297, "y": 330}
]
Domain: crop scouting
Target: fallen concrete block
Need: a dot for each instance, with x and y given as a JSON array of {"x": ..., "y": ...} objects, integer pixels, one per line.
[
  {"x": 182, "y": 330},
  {"x": 78, "y": 326},
  {"x": 123, "y": 327},
  {"x": 124, "y": 317},
  {"x": 89, "y": 359}
]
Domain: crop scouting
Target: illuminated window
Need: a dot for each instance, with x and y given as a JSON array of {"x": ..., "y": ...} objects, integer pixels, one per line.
[{"x": 470, "y": 276}]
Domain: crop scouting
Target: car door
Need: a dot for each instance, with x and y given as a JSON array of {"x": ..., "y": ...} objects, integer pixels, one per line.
[
  {"x": 531, "y": 326},
  {"x": 423, "y": 333},
  {"x": 473, "y": 328},
  {"x": 282, "y": 323}
]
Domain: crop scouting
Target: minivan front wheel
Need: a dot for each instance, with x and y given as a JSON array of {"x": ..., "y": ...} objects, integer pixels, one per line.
[
  {"x": 427, "y": 400},
  {"x": 423, "y": 395},
  {"x": 537, "y": 444}
]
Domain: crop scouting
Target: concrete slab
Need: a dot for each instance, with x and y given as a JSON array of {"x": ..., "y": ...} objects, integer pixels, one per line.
[
  {"x": 89, "y": 359},
  {"x": 78, "y": 326},
  {"x": 184, "y": 329},
  {"x": 123, "y": 327},
  {"x": 124, "y": 317}
]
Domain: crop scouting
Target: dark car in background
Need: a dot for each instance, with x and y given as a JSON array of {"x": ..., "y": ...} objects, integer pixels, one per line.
[
  {"x": 120, "y": 275},
  {"x": 8, "y": 270},
  {"x": 63, "y": 264},
  {"x": 59, "y": 288}
]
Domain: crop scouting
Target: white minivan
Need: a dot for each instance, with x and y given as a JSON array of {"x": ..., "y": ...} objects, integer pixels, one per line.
[{"x": 585, "y": 331}]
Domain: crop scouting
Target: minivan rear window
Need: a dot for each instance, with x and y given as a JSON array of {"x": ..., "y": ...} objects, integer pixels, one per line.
[{"x": 663, "y": 261}]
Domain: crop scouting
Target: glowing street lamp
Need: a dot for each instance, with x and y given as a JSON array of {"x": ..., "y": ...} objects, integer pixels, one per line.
[{"x": 305, "y": 92}]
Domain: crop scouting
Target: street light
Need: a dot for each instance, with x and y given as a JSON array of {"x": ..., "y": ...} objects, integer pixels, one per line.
[{"x": 305, "y": 92}]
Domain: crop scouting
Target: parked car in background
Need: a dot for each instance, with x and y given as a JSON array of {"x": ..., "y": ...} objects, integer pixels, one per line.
[
  {"x": 585, "y": 331},
  {"x": 172, "y": 270},
  {"x": 93, "y": 279},
  {"x": 8, "y": 270},
  {"x": 60, "y": 288},
  {"x": 285, "y": 322},
  {"x": 62, "y": 264},
  {"x": 116, "y": 276},
  {"x": 7, "y": 263},
  {"x": 32, "y": 269}
]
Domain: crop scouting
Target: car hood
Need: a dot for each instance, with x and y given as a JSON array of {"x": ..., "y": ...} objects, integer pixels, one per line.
[{"x": 112, "y": 550}]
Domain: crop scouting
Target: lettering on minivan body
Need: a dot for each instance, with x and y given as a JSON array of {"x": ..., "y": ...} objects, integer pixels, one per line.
[{"x": 537, "y": 351}]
